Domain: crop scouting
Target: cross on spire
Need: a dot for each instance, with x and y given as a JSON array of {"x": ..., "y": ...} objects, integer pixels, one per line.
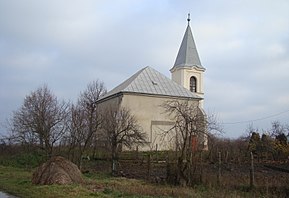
[{"x": 188, "y": 19}]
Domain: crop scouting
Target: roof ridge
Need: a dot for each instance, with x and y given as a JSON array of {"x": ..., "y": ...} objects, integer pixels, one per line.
[
  {"x": 125, "y": 83},
  {"x": 151, "y": 81}
]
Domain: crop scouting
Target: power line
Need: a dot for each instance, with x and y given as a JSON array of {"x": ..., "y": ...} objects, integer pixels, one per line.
[{"x": 258, "y": 119}]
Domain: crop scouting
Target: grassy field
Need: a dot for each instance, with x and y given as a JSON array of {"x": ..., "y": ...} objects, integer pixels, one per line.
[
  {"x": 17, "y": 181},
  {"x": 16, "y": 173}
]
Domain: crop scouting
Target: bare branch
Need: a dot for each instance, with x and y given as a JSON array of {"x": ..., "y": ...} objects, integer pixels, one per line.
[{"x": 121, "y": 128}]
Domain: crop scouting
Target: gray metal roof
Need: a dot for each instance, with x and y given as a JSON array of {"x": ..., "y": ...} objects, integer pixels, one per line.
[
  {"x": 150, "y": 81},
  {"x": 188, "y": 55}
]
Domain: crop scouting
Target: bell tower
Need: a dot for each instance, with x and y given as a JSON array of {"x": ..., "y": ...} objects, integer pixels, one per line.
[{"x": 188, "y": 70}]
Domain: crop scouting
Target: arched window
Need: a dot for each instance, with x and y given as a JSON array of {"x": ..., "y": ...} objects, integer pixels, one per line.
[{"x": 193, "y": 84}]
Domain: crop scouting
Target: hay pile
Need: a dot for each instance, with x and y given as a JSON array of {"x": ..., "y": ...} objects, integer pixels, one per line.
[{"x": 57, "y": 170}]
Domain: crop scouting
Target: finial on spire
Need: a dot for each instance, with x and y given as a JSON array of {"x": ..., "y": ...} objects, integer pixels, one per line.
[{"x": 188, "y": 18}]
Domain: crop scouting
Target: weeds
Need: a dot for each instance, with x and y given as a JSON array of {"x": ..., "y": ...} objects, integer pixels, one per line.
[{"x": 17, "y": 181}]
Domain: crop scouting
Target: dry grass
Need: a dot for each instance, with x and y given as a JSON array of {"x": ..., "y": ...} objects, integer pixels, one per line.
[{"x": 18, "y": 182}]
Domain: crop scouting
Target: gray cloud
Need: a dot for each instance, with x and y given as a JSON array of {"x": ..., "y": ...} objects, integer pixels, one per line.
[{"x": 66, "y": 44}]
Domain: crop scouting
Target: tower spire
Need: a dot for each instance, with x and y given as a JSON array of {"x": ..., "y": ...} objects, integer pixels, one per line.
[
  {"x": 188, "y": 70},
  {"x": 188, "y": 55}
]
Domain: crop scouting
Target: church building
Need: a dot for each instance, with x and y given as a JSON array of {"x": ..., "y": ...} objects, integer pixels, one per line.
[{"x": 147, "y": 90}]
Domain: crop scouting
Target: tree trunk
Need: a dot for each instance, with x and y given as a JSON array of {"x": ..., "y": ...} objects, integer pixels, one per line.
[{"x": 181, "y": 178}]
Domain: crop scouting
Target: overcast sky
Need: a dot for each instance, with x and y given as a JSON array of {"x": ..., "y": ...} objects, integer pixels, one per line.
[{"x": 243, "y": 44}]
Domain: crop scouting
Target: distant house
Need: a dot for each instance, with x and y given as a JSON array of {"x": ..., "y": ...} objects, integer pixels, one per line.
[{"x": 145, "y": 92}]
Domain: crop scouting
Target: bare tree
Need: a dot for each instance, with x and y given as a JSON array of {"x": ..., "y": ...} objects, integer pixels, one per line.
[
  {"x": 249, "y": 131},
  {"x": 120, "y": 128},
  {"x": 76, "y": 135},
  {"x": 40, "y": 120},
  {"x": 190, "y": 123},
  {"x": 278, "y": 129},
  {"x": 85, "y": 120}
]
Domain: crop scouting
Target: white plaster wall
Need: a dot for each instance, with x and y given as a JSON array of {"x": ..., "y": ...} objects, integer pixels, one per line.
[
  {"x": 151, "y": 115},
  {"x": 114, "y": 101},
  {"x": 178, "y": 76}
]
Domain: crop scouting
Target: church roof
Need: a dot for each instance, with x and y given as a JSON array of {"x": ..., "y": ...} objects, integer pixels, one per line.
[
  {"x": 149, "y": 81},
  {"x": 188, "y": 55}
]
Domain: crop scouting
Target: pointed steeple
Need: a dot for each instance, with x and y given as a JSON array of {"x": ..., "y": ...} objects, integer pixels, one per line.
[
  {"x": 188, "y": 54},
  {"x": 188, "y": 70}
]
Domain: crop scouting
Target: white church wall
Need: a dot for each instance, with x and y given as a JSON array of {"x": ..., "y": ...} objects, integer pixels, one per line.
[
  {"x": 183, "y": 75},
  {"x": 178, "y": 77},
  {"x": 152, "y": 118},
  {"x": 163, "y": 137}
]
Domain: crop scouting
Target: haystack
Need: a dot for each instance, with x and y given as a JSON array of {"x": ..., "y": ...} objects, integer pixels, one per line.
[{"x": 57, "y": 170}]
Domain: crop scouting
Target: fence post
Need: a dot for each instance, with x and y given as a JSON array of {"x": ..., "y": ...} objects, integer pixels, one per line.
[
  {"x": 201, "y": 167},
  {"x": 168, "y": 169},
  {"x": 227, "y": 156},
  {"x": 219, "y": 167},
  {"x": 137, "y": 153},
  {"x": 149, "y": 166},
  {"x": 252, "y": 177},
  {"x": 267, "y": 187}
]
